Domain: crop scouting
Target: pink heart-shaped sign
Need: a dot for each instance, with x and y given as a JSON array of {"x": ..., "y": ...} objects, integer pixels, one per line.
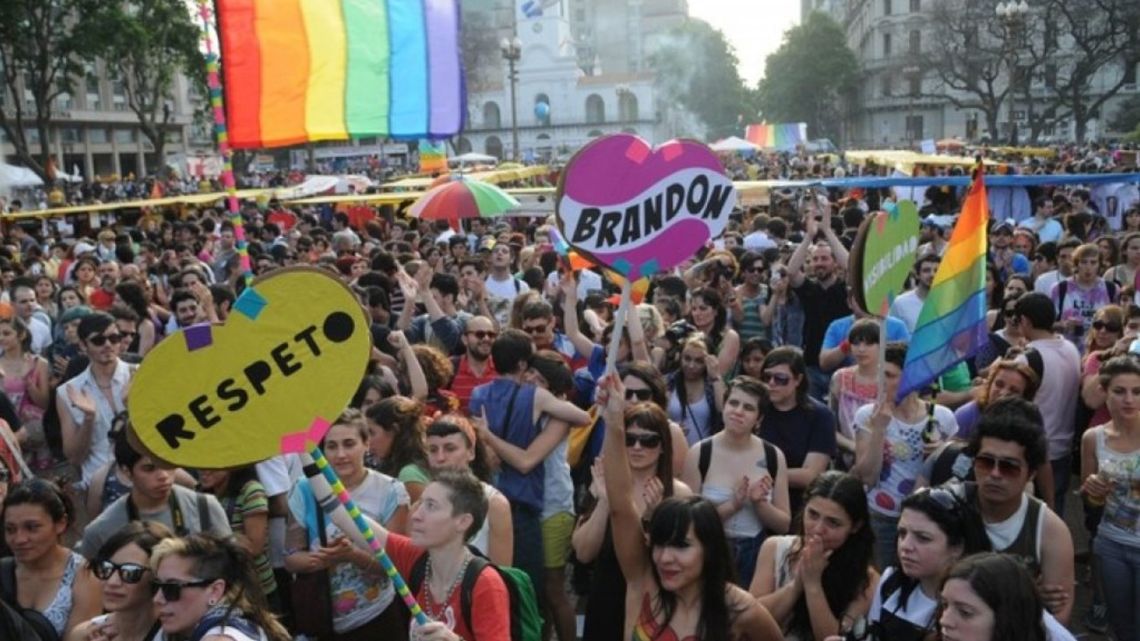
[{"x": 640, "y": 210}]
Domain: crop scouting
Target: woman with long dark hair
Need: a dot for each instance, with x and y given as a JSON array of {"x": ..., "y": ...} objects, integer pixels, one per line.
[
  {"x": 819, "y": 580},
  {"x": 696, "y": 390},
  {"x": 397, "y": 442},
  {"x": 708, "y": 313},
  {"x": 679, "y": 581},
  {"x": 132, "y": 294},
  {"x": 649, "y": 446}
]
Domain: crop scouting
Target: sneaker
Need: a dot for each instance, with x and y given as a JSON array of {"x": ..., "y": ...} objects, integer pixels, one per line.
[{"x": 1096, "y": 619}]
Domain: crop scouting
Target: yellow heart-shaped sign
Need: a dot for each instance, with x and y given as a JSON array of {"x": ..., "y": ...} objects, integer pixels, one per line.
[{"x": 286, "y": 363}]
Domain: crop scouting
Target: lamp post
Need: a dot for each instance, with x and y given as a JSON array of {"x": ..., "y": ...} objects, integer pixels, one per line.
[
  {"x": 1013, "y": 17},
  {"x": 512, "y": 51}
]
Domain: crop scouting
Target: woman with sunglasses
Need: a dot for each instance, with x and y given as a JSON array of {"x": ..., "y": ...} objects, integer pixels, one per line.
[
  {"x": 648, "y": 442},
  {"x": 1005, "y": 336},
  {"x": 644, "y": 384},
  {"x": 678, "y": 579},
  {"x": 806, "y": 579},
  {"x": 743, "y": 475},
  {"x": 50, "y": 578},
  {"x": 1105, "y": 341},
  {"x": 205, "y": 589},
  {"x": 1110, "y": 467},
  {"x": 122, "y": 564},
  {"x": 696, "y": 390},
  {"x": 891, "y": 442},
  {"x": 935, "y": 530}
]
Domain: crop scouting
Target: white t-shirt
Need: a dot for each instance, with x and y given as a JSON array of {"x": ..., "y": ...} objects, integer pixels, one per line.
[
  {"x": 903, "y": 456},
  {"x": 1045, "y": 282},
  {"x": 906, "y": 308},
  {"x": 587, "y": 281},
  {"x": 508, "y": 289},
  {"x": 920, "y": 609}
]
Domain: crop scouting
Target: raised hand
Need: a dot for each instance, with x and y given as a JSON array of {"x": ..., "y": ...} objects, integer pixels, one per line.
[{"x": 81, "y": 400}]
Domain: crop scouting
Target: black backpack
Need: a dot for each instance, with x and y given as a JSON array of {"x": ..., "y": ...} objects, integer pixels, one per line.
[{"x": 29, "y": 624}]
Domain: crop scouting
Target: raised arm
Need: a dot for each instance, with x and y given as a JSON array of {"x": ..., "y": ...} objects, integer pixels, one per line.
[
  {"x": 416, "y": 378},
  {"x": 631, "y": 548},
  {"x": 796, "y": 262},
  {"x": 582, "y": 343}
]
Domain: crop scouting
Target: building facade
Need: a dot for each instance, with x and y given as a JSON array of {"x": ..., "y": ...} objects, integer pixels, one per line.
[
  {"x": 899, "y": 102},
  {"x": 588, "y": 88},
  {"x": 94, "y": 133}
]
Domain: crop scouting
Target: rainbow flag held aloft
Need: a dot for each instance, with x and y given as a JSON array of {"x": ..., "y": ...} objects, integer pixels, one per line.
[
  {"x": 780, "y": 136},
  {"x": 306, "y": 70},
  {"x": 952, "y": 324},
  {"x": 433, "y": 157}
]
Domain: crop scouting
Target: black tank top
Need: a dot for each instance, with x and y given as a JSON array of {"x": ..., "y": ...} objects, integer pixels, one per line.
[{"x": 1024, "y": 545}]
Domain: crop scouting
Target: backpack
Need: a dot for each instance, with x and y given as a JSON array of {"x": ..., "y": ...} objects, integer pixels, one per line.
[
  {"x": 1063, "y": 289},
  {"x": 770, "y": 458},
  {"x": 526, "y": 620},
  {"x": 32, "y": 624}
]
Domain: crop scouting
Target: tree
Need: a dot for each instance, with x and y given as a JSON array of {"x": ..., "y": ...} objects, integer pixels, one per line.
[
  {"x": 1127, "y": 116},
  {"x": 42, "y": 49},
  {"x": 1064, "y": 60},
  {"x": 967, "y": 57},
  {"x": 150, "y": 42},
  {"x": 696, "y": 68},
  {"x": 809, "y": 76}
]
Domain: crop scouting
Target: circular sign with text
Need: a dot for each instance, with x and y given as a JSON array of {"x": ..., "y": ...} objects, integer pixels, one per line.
[{"x": 882, "y": 257}]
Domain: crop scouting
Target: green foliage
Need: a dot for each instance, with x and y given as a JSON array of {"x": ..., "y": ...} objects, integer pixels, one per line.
[
  {"x": 696, "y": 69},
  {"x": 807, "y": 78},
  {"x": 1127, "y": 116}
]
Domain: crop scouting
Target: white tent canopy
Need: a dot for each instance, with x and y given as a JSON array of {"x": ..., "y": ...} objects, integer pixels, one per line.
[
  {"x": 472, "y": 158},
  {"x": 733, "y": 143},
  {"x": 12, "y": 176}
]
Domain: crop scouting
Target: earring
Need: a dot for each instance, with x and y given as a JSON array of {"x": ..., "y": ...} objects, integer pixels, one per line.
[{"x": 212, "y": 602}]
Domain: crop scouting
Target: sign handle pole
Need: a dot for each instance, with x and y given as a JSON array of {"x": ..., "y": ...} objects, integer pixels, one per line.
[
  {"x": 619, "y": 325},
  {"x": 881, "y": 383},
  {"x": 315, "y": 457}
]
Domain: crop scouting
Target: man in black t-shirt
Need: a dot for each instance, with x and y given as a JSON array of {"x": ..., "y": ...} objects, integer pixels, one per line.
[{"x": 823, "y": 295}]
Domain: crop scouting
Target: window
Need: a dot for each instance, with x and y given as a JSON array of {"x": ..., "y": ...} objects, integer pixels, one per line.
[
  {"x": 63, "y": 102},
  {"x": 1130, "y": 74},
  {"x": 174, "y": 136},
  {"x": 915, "y": 6},
  {"x": 915, "y": 41},
  {"x": 1050, "y": 34},
  {"x": 118, "y": 96},
  {"x": 914, "y": 127},
  {"x": 627, "y": 106},
  {"x": 886, "y": 45},
  {"x": 491, "y": 117},
  {"x": 124, "y": 135},
  {"x": 915, "y": 88},
  {"x": 97, "y": 136},
  {"x": 71, "y": 135},
  {"x": 886, "y": 7},
  {"x": 29, "y": 99},
  {"x": 886, "y": 85},
  {"x": 31, "y": 135},
  {"x": 542, "y": 110},
  {"x": 595, "y": 109}
]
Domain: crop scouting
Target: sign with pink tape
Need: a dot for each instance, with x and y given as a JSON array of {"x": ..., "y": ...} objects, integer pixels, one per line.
[
  {"x": 640, "y": 210},
  {"x": 270, "y": 380}
]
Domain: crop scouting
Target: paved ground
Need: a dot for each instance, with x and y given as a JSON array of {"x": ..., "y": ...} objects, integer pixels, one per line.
[{"x": 1074, "y": 517}]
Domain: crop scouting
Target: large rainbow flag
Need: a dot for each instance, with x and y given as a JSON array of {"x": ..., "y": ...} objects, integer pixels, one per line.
[
  {"x": 780, "y": 136},
  {"x": 307, "y": 70},
  {"x": 952, "y": 324}
]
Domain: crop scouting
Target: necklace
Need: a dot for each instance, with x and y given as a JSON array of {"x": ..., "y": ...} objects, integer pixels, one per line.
[{"x": 436, "y": 609}]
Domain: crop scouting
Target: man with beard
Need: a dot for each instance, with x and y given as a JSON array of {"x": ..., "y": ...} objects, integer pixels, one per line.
[
  {"x": 909, "y": 304},
  {"x": 1007, "y": 448},
  {"x": 475, "y": 367},
  {"x": 824, "y": 296}
]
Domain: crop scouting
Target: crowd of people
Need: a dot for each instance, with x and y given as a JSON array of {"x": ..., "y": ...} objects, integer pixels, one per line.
[{"x": 740, "y": 476}]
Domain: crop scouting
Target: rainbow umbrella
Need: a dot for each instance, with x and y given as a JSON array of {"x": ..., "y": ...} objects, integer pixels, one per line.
[{"x": 460, "y": 197}]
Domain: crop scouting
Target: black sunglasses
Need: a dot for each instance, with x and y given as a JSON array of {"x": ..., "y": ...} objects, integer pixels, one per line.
[
  {"x": 638, "y": 394},
  {"x": 985, "y": 463},
  {"x": 480, "y": 334},
  {"x": 1100, "y": 325},
  {"x": 534, "y": 330},
  {"x": 130, "y": 573},
  {"x": 648, "y": 441},
  {"x": 100, "y": 340},
  {"x": 941, "y": 497},
  {"x": 172, "y": 590},
  {"x": 779, "y": 379}
]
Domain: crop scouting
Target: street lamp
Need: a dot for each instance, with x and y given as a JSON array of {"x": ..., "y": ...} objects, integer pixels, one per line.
[
  {"x": 1013, "y": 17},
  {"x": 512, "y": 51}
]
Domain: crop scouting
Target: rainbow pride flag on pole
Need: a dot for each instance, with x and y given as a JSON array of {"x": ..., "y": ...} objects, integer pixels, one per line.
[
  {"x": 952, "y": 324},
  {"x": 300, "y": 71},
  {"x": 780, "y": 136}
]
